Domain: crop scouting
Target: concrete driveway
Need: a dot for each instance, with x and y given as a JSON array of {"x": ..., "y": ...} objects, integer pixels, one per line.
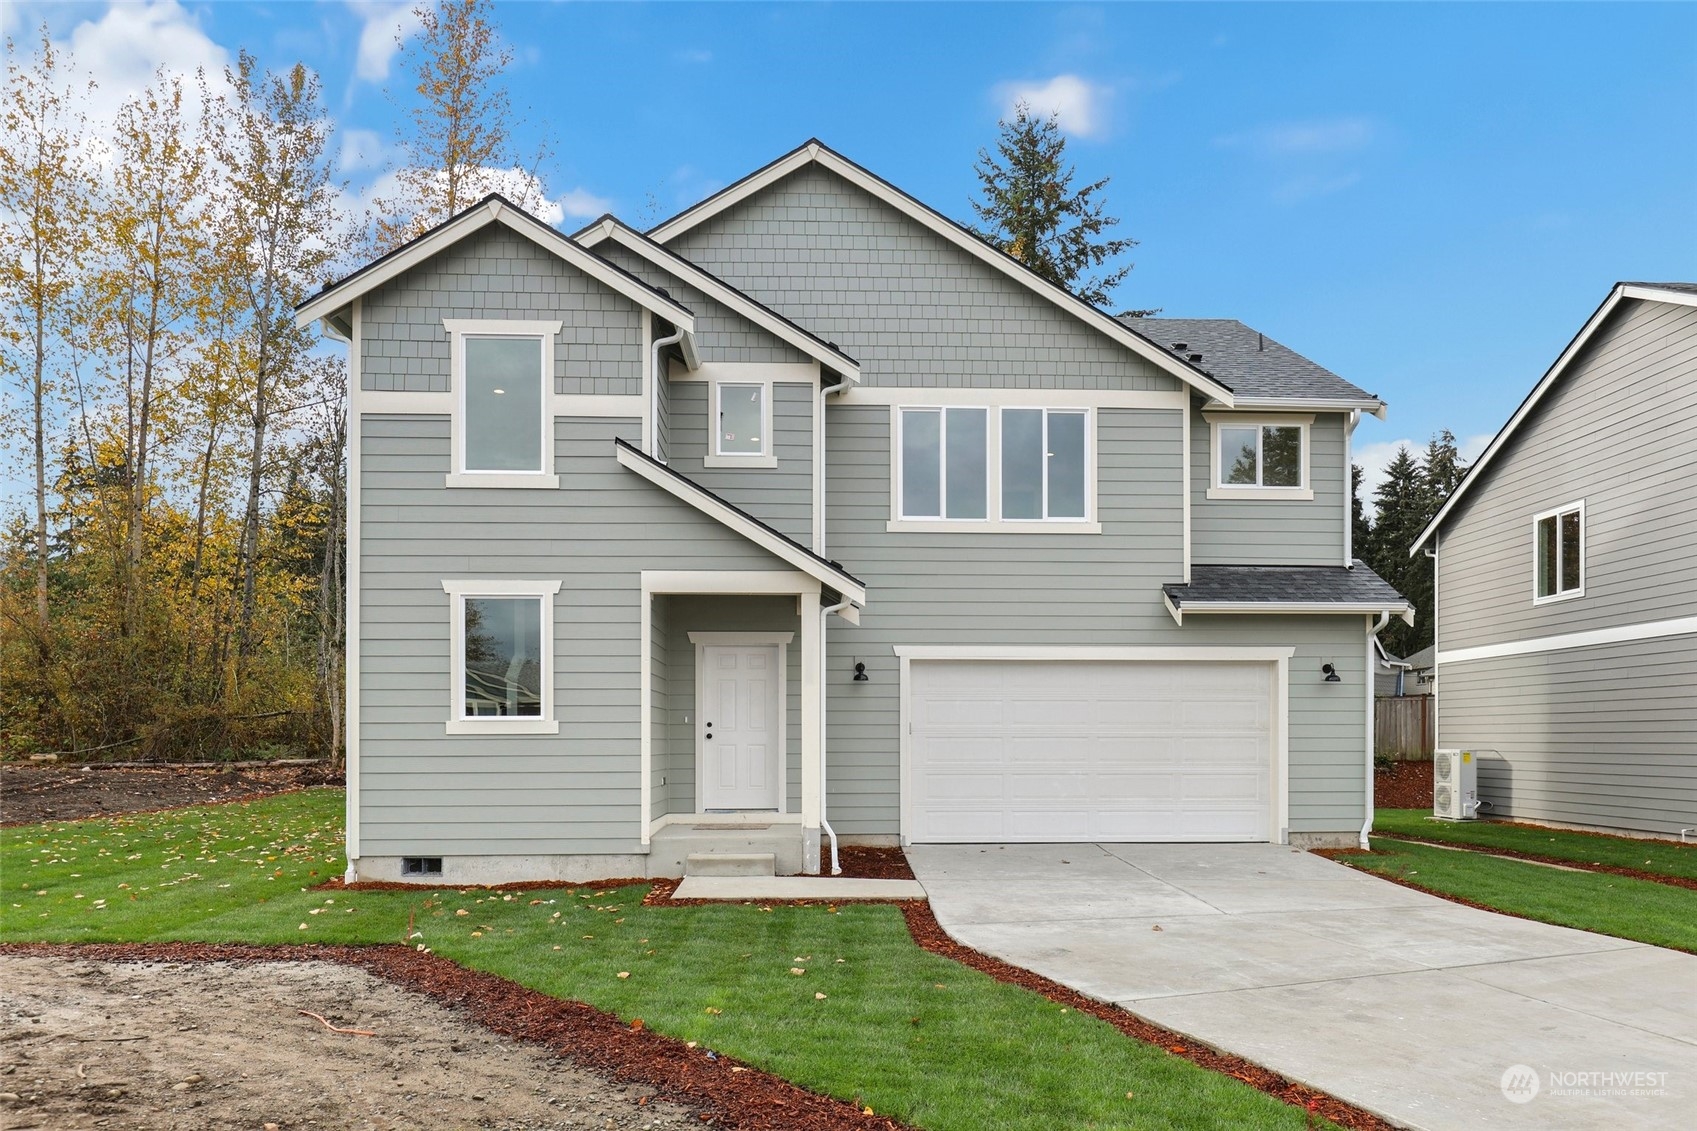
[{"x": 1408, "y": 1005}]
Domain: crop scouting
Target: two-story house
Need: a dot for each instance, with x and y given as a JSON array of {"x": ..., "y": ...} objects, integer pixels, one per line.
[
  {"x": 808, "y": 516},
  {"x": 1566, "y": 590}
]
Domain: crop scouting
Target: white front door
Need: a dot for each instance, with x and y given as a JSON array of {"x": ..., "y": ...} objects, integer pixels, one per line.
[{"x": 738, "y": 736}]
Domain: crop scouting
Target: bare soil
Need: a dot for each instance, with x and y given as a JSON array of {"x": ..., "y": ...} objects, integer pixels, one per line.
[
  {"x": 217, "y": 1045},
  {"x": 33, "y": 793},
  {"x": 1404, "y": 785}
]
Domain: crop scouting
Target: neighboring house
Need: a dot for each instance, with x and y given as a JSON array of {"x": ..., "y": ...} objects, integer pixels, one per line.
[
  {"x": 1415, "y": 674},
  {"x": 1567, "y": 581},
  {"x": 807, "y": 515}
]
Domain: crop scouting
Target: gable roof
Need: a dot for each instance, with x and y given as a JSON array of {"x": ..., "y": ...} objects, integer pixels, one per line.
[
  {"x": 492, "y": 209},
  {"x": 816, "y": 152},
  {"x": 1682, "y": 294},
  {"x": 781, "y": 545},
  {"x": 1259, "y": 370},
  {"x": 610, "y": 227}
]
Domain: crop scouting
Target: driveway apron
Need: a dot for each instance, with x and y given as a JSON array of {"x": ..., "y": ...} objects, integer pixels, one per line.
[{"x": 1424, "y": 1011}]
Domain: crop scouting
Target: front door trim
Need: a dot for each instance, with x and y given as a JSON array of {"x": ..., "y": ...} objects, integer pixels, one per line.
[{"x": 780, "y": 641}]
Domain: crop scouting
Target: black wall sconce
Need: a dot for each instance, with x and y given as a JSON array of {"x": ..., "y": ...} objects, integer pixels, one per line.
[
  {"x": 1331, "y": 673},
  {"x": 860, "y": 675}
]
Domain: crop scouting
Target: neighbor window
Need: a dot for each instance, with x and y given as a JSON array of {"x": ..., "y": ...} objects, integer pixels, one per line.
[
  {"x": 1559, "y": 553},
  {"x": 741, "y": 420},
  {"x": 1260, "y": 455},
  {"x": 501, "y": 378},
  {"x": 1043, "y": 463},
  {"x": 945, "y": 465},
  {"x": 502, "y": 664}
]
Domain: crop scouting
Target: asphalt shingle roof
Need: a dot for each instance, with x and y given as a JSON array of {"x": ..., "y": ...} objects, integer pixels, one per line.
[
  {"x": 1285, "y": 584},
  {"x": 1252, "y": 364},
  {"x": 1683, "y": 288}
]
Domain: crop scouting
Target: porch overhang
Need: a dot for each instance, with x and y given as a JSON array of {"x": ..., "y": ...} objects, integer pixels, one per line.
[{"x": 1288, "y": 590}]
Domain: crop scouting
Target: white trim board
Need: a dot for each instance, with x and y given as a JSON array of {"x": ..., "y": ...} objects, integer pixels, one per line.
[
  {"x": 1268, "y": 608},
  {"x": 1617, "y": 634},
  {"x": 610, "y": 227},
  {"x": 1065, "y": 652},
  {"x": 1621, "y": 292},
  {"x": 721, "y": 512},
  {"x": 920, "y": 396},
  {"x": 351, "y": 643},
  {"x": 400, "y": 402},
  {"x": 814, "y": 152},
  {"x": 491, "y": 210}
]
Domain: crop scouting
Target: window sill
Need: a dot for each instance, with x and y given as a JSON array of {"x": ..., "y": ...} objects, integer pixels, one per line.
[
  {"x": 1263, "y": 494},
  {"x": 740, "y": 461},
  {"x": 503, "y": 479},
  {"x": 984, "y": 526},
  {"x": 503, "y": 726},
  {"x": 1557, "y": 598}
]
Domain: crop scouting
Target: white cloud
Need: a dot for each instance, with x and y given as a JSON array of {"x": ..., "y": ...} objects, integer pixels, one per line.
[
  {"x": 581, "y": 204},
  {"x": 383, "y": 27},
  {"x": 1080, "y": 106},
  {"x": 362, "y": 149},
  {"x": 1374, "y": 458},
  {"x": 125, "y": 46},
  {"x": 1298, "y": 139},
  {"x": 522, "y": 188}
]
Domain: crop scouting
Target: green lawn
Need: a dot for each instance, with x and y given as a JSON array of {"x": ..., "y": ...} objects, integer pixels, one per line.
[
  {"x": 911, "y": 1034},
  {"x": 1642, "y": 910},
  {"x": 1660, "y": 857}
]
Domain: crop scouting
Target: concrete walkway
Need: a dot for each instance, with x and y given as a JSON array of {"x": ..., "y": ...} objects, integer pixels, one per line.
[{"x": 1408, "y": 1005}]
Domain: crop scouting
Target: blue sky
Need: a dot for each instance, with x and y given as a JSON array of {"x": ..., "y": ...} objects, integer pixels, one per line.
[{"x": 1428, "y": 199}]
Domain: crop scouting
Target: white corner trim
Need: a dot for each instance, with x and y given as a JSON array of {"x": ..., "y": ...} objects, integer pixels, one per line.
[
  {"x": 352, "y": 643},
  {"x": 951, "y": 232},
  {"x": 505, "y": 480},
  {"x": 1616, "y": 634},
  {"x": 1263, "y": 494},
  {"x": 720, "y": 512},
  {"x": 741, "y": 637},
  {"x": 1065, "y": 652}
]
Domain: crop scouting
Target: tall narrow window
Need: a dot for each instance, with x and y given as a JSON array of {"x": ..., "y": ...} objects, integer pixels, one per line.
[
  {"x": 503, "y": 657},
  {"x": 944, "y": 463},
  {"x": 503, "y": 404},
  {"x": 1558, "y": 538},
  {"x": 741, "y": 427},
  {"x": 1043, "y": 464}
]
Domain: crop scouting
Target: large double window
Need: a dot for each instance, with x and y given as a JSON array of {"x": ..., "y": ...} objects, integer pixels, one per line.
[
  {"x": 501, "y": 640},
  {"x": 503, "y": 427},
  {"x": 1006, "y": 467},
  {"x": 1259, "y": 458},
  {"x": 1558, "y": 551}
]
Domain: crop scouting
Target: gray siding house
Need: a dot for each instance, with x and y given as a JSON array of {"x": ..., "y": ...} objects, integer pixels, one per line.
[
  {"x": 806, "y": 517},
  {"x": 1567, "y": 582}
]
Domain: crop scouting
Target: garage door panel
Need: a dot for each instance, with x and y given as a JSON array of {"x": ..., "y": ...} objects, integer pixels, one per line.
[{"x": 1039, "y": 751}]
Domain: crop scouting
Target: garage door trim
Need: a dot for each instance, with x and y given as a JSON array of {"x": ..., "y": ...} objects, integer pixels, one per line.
[{"x": 1278, "y": 657}]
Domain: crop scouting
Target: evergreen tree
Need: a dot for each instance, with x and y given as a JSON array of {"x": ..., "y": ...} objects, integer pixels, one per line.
[
  {"x": 1031, "y": 211},
  {"x": 1413, "y": 492},
  {"x": 1361, "y": 530}
]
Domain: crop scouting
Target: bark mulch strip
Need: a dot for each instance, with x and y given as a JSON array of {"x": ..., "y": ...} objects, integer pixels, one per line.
[
  {"x": 1403, "y": 785},
  {"x": 926, "y": 931},
  {"x": 1540, "y": 858},
  {"x": 723, "y": 1091},
  {"x": 32, "y": 794}
]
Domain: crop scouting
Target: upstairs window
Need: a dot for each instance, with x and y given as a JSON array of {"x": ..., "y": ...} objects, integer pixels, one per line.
[
  {"x": 1260, "y": 459},
  {"x": 1043, "y": 463},
  {"x": 944, "y": 463},
  {"x": 502, "y": 378},
  {"x": 742, "y": 420},
  {"x": 1558, "y": 550},
  {"x": 1011, "y": 468}
]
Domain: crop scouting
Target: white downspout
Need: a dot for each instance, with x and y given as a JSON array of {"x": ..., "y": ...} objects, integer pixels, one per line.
[
  {"x": 651, "y": 442},
  {"x": 1367, "y": 678},
  {"x": 1349, "y": 490},
  {"x": 824, "y": 637}
]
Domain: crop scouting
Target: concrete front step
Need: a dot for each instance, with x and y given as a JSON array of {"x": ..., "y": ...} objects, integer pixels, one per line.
[{"x": 730, "y": 864}]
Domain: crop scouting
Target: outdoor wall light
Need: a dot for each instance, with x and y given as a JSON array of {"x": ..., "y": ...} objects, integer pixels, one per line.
[
  {"x": 1331, "y": 673},
  {"x": 860, "y": 675}
]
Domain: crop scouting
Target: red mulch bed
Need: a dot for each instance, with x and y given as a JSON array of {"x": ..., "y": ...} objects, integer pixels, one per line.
[
  {"x": 865, "y": 862},
  {"x": 1558, "y": 861},
  {"x": 1403, "y": 785},
  {"x": 30, "y": 794},
  {"x": 725, "y": 1092}
]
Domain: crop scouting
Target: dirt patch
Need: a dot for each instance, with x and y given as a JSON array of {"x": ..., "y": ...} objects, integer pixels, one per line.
[
  {"x": 29, "y": 794},
  {"x": 222, "y": 1045},
  {"x": 1403, "y": 785},
  {"x": 639, "y": 1063}
]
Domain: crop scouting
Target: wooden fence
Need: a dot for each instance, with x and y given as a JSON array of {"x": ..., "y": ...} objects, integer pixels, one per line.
[{"x": 1405, "y": 727}]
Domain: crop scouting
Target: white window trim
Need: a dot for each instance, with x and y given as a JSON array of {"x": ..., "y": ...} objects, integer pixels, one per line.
[
  {"x": 459, "y": 329},
  {"x": 767, "y": 457},
  {"x": 1217, "y": 490},
  {"x": 993, "y": 522},
  {"x": 1556, "y": 513},
  {"x": 458, "y": 591}
]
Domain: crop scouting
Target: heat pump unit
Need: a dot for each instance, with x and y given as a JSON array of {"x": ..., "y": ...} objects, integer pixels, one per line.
[{"x": 1455, "y": 785}]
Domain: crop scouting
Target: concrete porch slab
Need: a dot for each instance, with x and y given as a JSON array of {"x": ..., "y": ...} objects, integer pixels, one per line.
[{"x": 795, "y": 887}]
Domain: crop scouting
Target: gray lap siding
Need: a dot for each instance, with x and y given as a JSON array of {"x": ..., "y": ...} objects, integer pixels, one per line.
[
  {"x": 781, "y": 496},
  {"x": 1271, "y": 531},
  {"x": 425, "y": 792}
]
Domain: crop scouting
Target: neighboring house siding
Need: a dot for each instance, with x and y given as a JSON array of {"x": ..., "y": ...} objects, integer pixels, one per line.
[
  {"x": 1063, "y": 589},
  {"x": 910, "y": 307},
  {"x": 424, "y": 792},
  {"x": 781, "y": 496},
  {"x": 1603, "y": 735},
  {"x": 721, "y": 334},
  {"x": 1270, "y": 532},
  {"x": 496, "y": 273}
]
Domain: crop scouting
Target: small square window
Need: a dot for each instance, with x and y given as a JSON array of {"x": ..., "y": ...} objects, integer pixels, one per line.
[
  {"x": 1558, "y": 550},
  {"x": 741, "y": 420}
]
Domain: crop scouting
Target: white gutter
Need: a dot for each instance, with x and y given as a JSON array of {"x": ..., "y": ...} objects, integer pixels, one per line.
[
  {"x": 1367, "y": 673},
  {"x": 651, "y": 442},
  {"x": 824, "y": 635}
]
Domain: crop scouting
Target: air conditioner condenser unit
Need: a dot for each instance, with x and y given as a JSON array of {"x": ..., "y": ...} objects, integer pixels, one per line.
[{"x": 1455, "y": 785}]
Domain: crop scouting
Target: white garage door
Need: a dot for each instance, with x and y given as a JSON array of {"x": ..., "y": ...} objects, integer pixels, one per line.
[{"x": 1113, "y": 751}]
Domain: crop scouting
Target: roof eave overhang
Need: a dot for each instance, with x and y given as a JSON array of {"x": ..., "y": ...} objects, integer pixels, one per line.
[
  {"x": 1371, "y": 405},
  {"x": 1181, "y": 607},
  {"x": 338, "y": 295},
  {"x": 815, "y": 152}
]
